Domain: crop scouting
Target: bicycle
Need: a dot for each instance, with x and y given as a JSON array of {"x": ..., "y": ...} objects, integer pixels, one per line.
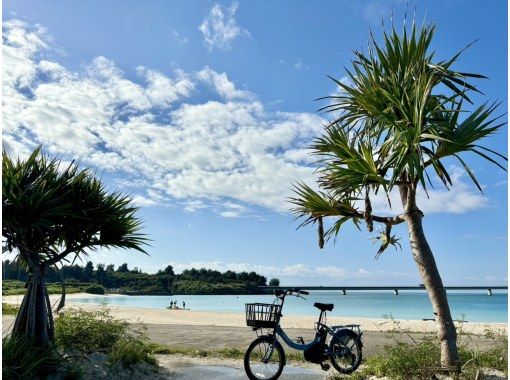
[{"x": 265, "y": 356}]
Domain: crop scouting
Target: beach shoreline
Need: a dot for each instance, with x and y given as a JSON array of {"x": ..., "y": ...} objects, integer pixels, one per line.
[{"x": 229, "y": 319}]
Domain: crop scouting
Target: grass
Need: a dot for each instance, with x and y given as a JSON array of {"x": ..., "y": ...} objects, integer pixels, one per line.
[
  {"x": 8, "y": 309},
  {"x": 420, "y": 360},
  {"x": 22, "y": 359},
  {"x": 223, "y": 353}
]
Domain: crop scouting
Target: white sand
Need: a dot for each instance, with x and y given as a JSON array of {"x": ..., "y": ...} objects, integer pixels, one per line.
[{"x": 208, "y": 318}]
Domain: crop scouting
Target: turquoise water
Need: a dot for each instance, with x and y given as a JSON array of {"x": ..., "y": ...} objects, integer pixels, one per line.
[{"x": 469, "y": 306}]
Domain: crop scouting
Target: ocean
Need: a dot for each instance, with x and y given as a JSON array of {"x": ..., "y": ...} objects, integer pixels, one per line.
[{"x": 468, "y": 306}]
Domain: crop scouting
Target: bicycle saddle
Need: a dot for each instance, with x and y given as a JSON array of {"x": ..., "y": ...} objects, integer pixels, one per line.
[{"x": 324, "y": 306}]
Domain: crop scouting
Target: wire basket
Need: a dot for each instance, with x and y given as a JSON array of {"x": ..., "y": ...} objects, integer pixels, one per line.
[{"x": 262, "y": 315}]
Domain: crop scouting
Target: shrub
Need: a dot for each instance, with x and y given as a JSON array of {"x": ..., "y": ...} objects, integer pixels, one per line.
[
  {"x": 88, "y": 330},
  {"x": 404, "y": 361},
  {"x": 128, "y": 351},
  {"x": 23, "y": 359},
  {"x": 9, "y": 309},
  {"x": 95, "y": 289}
]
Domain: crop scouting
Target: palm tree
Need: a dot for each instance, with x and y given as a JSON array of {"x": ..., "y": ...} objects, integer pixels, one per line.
[
  {"x": 50, "y": 212},
  {"x": 393, "y": 127}
]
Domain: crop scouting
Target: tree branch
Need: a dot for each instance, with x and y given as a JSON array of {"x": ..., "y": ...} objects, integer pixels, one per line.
[
  {"x": 67, "y": 251},
  {"x": 388, "y": 220}
]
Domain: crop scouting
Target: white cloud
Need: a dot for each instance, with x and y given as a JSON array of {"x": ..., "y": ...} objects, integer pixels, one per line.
[
  {"x": 298, "y": 274},
  {"x": 178, "y": 37},
  {"x": 299, "y": 65},
  {"x": 154, "y": 138},
  {"x": 296, "y": 270},
  {"x": 219, "y": 28},
  {"x": 461, "y": 198},
  {"x": 223, "y": 86}
]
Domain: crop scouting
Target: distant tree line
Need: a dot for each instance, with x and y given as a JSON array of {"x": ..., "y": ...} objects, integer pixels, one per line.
[{"x": 133, "y": 281}]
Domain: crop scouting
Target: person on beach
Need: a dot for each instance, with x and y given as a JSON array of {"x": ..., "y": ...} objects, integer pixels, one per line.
[{"x": 184, "y": 305}]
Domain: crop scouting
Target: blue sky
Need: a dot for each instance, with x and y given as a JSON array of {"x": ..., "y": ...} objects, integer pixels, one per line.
[{"x": 203, "y": 112}]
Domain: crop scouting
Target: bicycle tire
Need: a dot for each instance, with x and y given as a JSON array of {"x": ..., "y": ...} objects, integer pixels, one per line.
[
  {"x": 270, "y": 341},
  {"x": 347, "y": 343}
]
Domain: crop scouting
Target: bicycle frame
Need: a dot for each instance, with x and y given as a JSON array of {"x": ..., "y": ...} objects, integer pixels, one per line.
[{"x": 333, "y": 331}]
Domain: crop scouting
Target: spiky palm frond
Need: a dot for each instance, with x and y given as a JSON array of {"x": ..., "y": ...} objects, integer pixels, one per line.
[
  {"x": 386, "y": 239},
  {"x": 396, "y": 120},
  {"x": 408, "y": 108},
  {"x": 49, "y": 209}
]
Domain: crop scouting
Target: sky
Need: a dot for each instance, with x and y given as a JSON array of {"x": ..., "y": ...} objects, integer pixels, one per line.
[{"x": 204, "y": 111}]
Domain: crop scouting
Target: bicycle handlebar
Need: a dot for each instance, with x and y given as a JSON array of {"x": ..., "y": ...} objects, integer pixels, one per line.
[{"x": 286, "y": 292}]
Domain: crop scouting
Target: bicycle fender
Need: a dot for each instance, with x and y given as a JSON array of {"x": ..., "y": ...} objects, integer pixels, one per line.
[
  {"x": 346, "y": 333},
  {"x": 277, "y": 343}
]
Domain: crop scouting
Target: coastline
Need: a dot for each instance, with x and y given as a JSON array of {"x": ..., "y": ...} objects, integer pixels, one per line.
[{"x": 228, "y": 319}]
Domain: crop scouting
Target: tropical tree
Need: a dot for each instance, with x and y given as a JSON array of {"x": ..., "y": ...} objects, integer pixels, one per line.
[
  {"x": 395, "y": 122},
  {"x": 52, "y": 212}
]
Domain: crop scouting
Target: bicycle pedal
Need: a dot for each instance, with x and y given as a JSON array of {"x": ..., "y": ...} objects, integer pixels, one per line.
[{"x": 325, "y": 367}]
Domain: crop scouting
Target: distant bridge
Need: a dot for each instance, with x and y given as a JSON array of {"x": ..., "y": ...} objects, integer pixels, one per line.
[{"x": 395, "y": 289}]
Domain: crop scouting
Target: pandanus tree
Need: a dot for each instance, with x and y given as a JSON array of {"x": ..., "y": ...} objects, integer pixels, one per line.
[
  {"x": 395, "y": 122},
  {"x": 54, "y": 212}
]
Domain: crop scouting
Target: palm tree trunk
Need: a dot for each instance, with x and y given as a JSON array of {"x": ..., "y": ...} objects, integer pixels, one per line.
[
  {"x": 429, "y": 273},
  {"x": 34, "y": 319}
]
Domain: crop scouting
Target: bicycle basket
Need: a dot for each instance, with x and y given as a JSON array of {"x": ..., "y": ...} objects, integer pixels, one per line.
[{"x": 262, "y": 315}]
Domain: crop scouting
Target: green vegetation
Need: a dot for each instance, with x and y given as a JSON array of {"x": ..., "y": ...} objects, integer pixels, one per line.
[
  {"x": 78, "y": 333},
  {"x": 92, "y": 331},
  {"x": 22, "y": 358},
  {"x": 9, "y": 309},
  {"x": 129, "y": 351},
  {"x": 14, "y": 287},
  {"x": 52, "y": 212},
  {"x": 421, "y": 360},
  {"x": 104, "y": 279},
  {"x": 226, "y": 353},
  {"x": 88, "y": 331},
  {"x": 398, "y": 122}
]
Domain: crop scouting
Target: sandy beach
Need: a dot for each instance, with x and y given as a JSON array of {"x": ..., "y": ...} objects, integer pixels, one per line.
[{"x": 207, "y": 318}]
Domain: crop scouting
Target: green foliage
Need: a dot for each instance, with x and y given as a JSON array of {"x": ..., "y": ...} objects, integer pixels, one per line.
[
  {"x": 203, "y": 287},
  {"x": 8, "y": 309},
  {"x": 192, "y": 281},
  {"x": 95, "y": 289},
  {"x": 405, "y": 361},
  {"x": 129, "y": 351},
  {"x": 420, "y": 360},
  {"x": 395, "y": 121},
  {"x": 90, "y": 331},
  {"x": 227, "y": 353},
  {"x": 13, "y": 287},
  {"x": 22, "y": 359},
  {"x": 57, "y": 210},
  {"x": 274, "y": 282}
]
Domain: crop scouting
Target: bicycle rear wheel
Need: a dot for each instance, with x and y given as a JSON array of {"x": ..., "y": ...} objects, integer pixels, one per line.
[
  {"x": 345, "y": 351},
  {"x": 264, "y": 359}
]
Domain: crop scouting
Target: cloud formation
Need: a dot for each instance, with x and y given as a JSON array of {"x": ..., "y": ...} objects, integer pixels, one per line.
[
  {"x": 220, "y": 29},
  {"x": 298, "y": 273},
  {"x": 152, "y": 135},
  {"x": 157, "y": 138}
]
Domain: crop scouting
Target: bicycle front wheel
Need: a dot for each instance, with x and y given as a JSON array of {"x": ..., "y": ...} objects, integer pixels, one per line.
[
  {"x": 264, "y": 359},
  {"x": 345, "y": 351}
]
